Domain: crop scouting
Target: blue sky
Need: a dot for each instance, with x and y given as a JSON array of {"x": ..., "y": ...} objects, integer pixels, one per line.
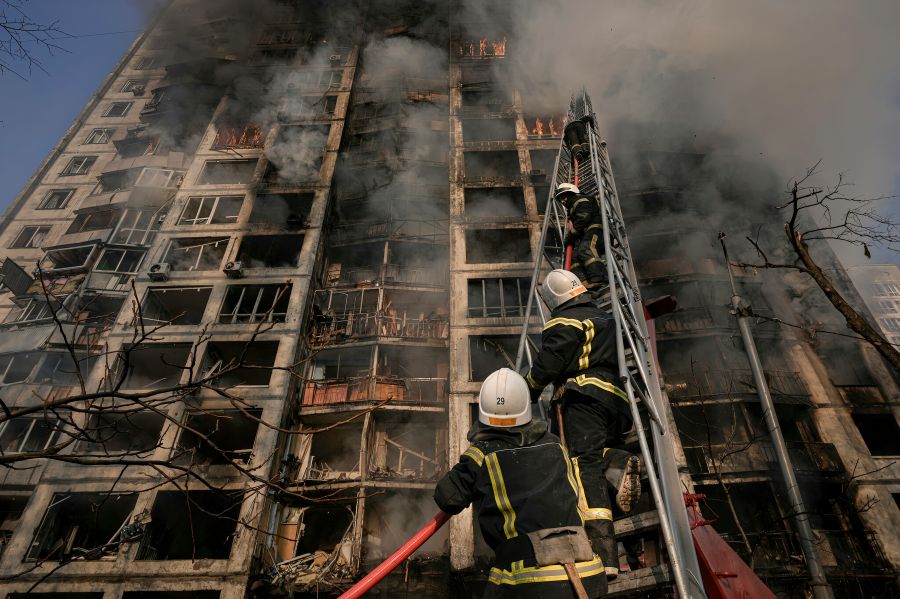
[{"x": 36, "y": 113}]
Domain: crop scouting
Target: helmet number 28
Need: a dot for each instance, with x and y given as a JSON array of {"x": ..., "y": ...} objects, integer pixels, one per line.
[{"x": 501, "y": 401}]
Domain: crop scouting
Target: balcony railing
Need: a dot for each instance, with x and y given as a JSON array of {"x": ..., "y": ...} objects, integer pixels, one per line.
[
  {"x": 741, "y": 456},
  {"x": 430, "y": 231},
  {"x": 393, "y": 273},
  {"x": 706, "y": 383},
  {"x": 852, "y": 550},
  {"x": 356, "y": 326},
  {"x": 377, "y": 388},
  {"x": 773, "y": 550}
]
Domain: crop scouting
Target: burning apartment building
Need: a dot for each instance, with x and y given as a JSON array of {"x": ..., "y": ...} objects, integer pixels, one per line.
[{"x": 250, "y": 297}]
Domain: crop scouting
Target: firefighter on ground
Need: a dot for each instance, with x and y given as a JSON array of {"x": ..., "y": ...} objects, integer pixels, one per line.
[
  {"x": 585, "y": 235},
  {"x": 578, "y": 356},
  {"x": 523, "y": 485}
]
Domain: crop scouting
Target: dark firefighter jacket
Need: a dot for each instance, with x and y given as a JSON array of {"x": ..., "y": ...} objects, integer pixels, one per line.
[
  {"x": 521, "y": 480},
  {"x": 578, "y": 351},
  {"x": 584, "y": 212}
]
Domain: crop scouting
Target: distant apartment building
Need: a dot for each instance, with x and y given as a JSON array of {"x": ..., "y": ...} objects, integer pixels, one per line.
[{"x": 879, "y": 286}]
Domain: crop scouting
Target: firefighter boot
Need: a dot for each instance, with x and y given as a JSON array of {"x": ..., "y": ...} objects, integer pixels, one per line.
[
  {"x": 603, "y": 542},
  {"x": 623, "y": 472}
]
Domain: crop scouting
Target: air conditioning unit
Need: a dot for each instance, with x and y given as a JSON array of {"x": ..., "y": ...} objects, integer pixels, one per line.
[
  {"x": 335, "y": 60},
  {"x": 138, "y": 90},
  {"x": 234, "y": 270},
  {"x": 159, "y": 271}
]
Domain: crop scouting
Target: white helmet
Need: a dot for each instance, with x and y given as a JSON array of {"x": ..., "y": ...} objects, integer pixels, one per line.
[
  {"x": 564, "y": 188},
  {"x": 560, "y": 286},
  {"x": 504, "y": 400}
]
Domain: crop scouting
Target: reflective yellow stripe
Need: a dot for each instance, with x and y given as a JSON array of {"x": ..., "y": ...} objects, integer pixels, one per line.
[
  {"x": 590, "y": 380},
  {"x": 595, "y": 226},
  {"x": 531, "y": 382},
  {"x": 588, "y": 512},
  {"x": 584, "y": 360},
  {"x": 572, "y": 481},
  {"x": 475, "y": 454},
  {"x": 579, "y": 201},
  {"x": 564, "y": 321},
  {"x": 519, "y": 575},
  {"x": 499, "y": 488}
]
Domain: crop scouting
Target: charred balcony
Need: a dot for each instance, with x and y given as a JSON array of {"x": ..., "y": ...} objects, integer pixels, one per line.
[
  {"x": 489, "y": 133},
  {"x": 411, "y": 264},
  {"x": 368, "y": 372},
  {"x": 348, "y": 316},
  {"x": 495, "y": 168},
  {"x": 281, "y": 211}
]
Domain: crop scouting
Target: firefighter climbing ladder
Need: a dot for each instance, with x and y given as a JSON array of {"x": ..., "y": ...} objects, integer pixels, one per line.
[{"x": 584, "y": 161}]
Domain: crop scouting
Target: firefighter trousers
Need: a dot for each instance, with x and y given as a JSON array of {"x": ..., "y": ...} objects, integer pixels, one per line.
[
  {"x": 587, "y": 261},
  {"x": 593, "y": 429}
]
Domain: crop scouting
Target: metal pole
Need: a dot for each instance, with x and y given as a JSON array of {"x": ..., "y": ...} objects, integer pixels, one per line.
[{"x": 820, "y": 586}]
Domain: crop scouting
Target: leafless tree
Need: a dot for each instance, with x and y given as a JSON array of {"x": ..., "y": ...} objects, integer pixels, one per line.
[
  {"x": 22, "y": 38},
  {"x": 818, "y": 213}
]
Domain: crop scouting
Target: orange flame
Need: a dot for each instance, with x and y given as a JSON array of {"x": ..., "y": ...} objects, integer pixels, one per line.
[
  {"x": 539, "y": 126},
  {"x": 484, "y": 48}
]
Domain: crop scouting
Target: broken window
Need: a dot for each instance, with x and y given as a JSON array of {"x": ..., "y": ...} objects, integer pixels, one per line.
[
  {"x": 407, "y": 450},
  {"x": 239, "y": 136},
  {"x": 68, "y": 258},
  {"x": 79, "y": 165},
  {"x": 253, "y": 303},
  {"x": 133, "y": 85},
  {"x": 96, "y": 220},
  {"x": 295, "y": 107},
  {"x": 136, "y": 145},
  {"x": 120, "y": 261},
  {"x": 29, "y": 433},
  {"x": 396, "y": 516},
  {"x": 218, "y": 437},
  {"x": 159, "y": 177},
  {"x": 227, "y": 172},
  {"x": 247, "y": 363},
  {"x": 334, "y": 454},
  {"x": 290, "y": 210},
  {"x": 475, "y": 130},
  {"x": 78, "y": 523},
  {"x": 880, "y": 432},
  {"x": 157, "y": 96},
  {"x": 137, "y": 227},
  {"x": 100, "y": 136},
  {"x": 270, "y": 251},
  {"x": 297, "y": 153},
  {"x": 117, "y": 109},
  {"x": 211, "y": 210},
  {"x": 11, "y": 508},
  {"x": 16, "y": 368},
  {"x": 498, "y": 298},
  {"x": 36, "y": 308},
  {"x": 30, "y": 237},
  {"x": 494, "y": 202},
  {"x": 115, "y": 433},
  {"x": 196, "y": 253},
  {"x": 117, "y": 180},
  {"x": 543, "y": 161},
  {"x": 56, "y": 199},
  {"x": 492, "y": 165},
  {"x": 155, "y": 365},
  {"x": 191, "y": 525},
  {"x": 844, "y": 360},
  {"x": 488, "y": 246},
  {"x": 319, "y": 530},
  {"x": 488, "y": 353},
  {"x": 176, "y": 305}
]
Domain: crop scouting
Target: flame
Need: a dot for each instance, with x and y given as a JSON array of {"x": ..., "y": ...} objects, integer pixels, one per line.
[
  {"x": 485, "y": 47},
  {"x": 548, "y": 126},
  {"x": 539, "y": 126}
]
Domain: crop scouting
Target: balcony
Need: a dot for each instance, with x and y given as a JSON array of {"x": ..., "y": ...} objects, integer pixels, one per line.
[
  {"x": 852, "y": 550},
  {"x": 346, "y": 327},
  {"x": 393, "y": 274},
  {"x": 758, "y": 456},
  {"x": 377, "y": 388},
  {"x": 434, "y": 231},
  {"x": 714, "y": 383}
]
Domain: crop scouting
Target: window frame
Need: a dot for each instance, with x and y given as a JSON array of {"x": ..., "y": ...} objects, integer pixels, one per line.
[
  {"x": 236, "y": 316},
  {"x": 125, "y": 104},
  {"x": 130, "y": 84},
  {"x": 145, "y": 235},
  {"x": 38, "y": 231},
  {"x": 55, "y": 434},
  {"x": 210, "y": 218},
  {"x": 105, "y": 134},
  {"x": 43, "y": 205},
  {"x": 78, "y": 165},
  {"x": 125, "y": 251}
]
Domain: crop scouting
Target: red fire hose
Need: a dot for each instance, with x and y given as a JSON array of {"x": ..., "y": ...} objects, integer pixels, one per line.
[
  {"x": 569, "y": 248},
  {"x": 385, "y": 567}
]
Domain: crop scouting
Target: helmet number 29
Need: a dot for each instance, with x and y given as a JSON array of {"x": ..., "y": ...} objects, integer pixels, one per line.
[{"x": 501, "y": 401}]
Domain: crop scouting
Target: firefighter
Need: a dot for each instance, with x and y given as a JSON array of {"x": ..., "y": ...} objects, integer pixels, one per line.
[
  {"x": 522, "y": 483},
  {"x": 578, "y": 355},
  {"x": 585, "y": 235}
]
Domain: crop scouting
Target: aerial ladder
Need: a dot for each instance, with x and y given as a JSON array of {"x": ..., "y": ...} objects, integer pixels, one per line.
[
  {"x": 702, "y": 564},
  {"x": 584, "y": 161}
]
